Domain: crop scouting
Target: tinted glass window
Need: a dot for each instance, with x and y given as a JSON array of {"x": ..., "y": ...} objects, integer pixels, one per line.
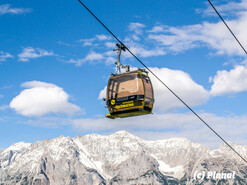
[
  {"x": 125, "y": 85},
  {"x": 148, "y": 87}
]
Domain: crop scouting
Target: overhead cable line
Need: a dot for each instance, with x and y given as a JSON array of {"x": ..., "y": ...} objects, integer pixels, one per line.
[
  {"x": 228, "y": 27},
  {"x": 162, "y": 81}
]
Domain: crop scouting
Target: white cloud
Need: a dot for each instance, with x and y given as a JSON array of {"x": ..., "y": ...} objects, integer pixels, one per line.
[
  {"x": 31, "y": 53},
  {"x": 92, "y": 56},
  {"x": 7, "y": 9},
  {"x": 229, "y": 82},
  {"x": 95, "y": 57},
  {"x": 77, "y": 62},
  {"x": 92, "y": 41},
  {"x": 110, "y": 60},
  {"x": 163, "y": 126},
  {"x": 102, "y": 93},
  {"x": 103, "y": 37},
  {"x": 136, "y": 28},
  {"x": 177, "y": 39},
  {"x": 142, "y": 52},
  {"x": 229, "y": 9},
  {"x": 182, "y": 84},
  {"x": 108, "y": 56},
  {"x": 213, "y": 35},
  {"x": 88, "y": 42},
  {"x": 42, "y": 98},
  {"x": 1, "y": 96},
  {"x": 157, "y": 29},
  {"x": 163, "y": 39},
  {"x": 111, "y": 45},
  {"x": 4, "y": 56}
]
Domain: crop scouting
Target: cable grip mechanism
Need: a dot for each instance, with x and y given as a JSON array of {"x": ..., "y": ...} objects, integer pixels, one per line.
[{"x": 119, "y": 66}]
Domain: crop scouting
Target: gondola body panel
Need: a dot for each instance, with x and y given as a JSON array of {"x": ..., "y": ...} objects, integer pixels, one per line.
[{"x": 129, "y": 94}]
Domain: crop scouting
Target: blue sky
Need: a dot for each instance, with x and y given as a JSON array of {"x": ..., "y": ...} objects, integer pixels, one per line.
[{"x": 55, "y": 60}]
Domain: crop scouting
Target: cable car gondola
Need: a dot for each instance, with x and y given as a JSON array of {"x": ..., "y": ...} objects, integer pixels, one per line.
[{"x": 129, "y": 93}]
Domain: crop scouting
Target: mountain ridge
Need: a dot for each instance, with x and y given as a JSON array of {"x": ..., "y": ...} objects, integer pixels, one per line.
[{"x": 119, "y": 158}]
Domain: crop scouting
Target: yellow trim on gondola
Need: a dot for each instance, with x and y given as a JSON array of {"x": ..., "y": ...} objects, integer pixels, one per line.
[
  {"x": 125, "y": 105},
  {"x": 128, "y": 108},
  {"x": 128, "y": 114}
]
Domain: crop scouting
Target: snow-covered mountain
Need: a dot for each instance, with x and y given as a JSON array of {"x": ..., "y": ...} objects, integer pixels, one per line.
[{"x": 120, "y": 158}]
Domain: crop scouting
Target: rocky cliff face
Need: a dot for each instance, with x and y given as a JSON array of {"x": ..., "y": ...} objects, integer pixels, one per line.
[{"x": 120, "y": 158}]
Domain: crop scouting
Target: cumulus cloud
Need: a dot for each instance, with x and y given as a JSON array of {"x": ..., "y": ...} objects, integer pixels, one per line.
[
  {"x": 32, "y": 53},
  {"x": 4, "y": 56},
  {"x": 40, "y": 98},
  {"x": 229, "y": 82},
  {"x": 102, "y": 93},
  {"x": 182, "y": 84},
  {"x": 7, "y": 9}
]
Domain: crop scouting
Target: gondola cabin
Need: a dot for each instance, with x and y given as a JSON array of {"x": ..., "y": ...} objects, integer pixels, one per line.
[{"x": 129, "y": 94}]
